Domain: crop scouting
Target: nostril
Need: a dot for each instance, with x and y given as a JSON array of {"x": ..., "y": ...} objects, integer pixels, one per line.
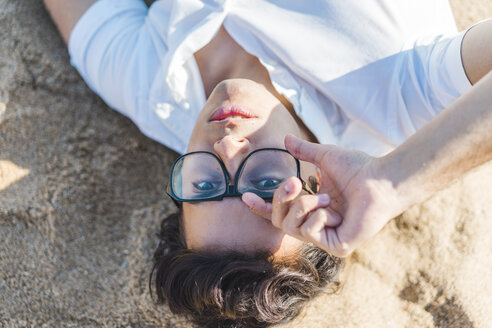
[
  {"x": 231, "y": 145},
  {"x": 232, "y": 140}
]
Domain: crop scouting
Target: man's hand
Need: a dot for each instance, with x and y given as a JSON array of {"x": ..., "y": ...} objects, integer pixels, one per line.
[
  {"x": 351, "y": 207},
  {"x": 367, "y": 192}
]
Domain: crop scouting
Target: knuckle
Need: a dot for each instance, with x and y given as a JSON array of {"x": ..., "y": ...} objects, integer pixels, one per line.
[
  {"x": 305, "y": 230},
  {"x": 306, "y": 203},
  {"x": 321, "y": 214},
  {"x": 303, "y": 205},
  {"x": 320, "y": 156}
]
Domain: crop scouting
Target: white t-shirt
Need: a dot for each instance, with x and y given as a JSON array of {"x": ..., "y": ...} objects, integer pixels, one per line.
[{"x": 360, "y": 74}]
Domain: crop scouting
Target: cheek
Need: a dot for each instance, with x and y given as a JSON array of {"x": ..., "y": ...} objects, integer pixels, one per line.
[
  {"x": 199, "y": 133},
  {"x": 196, "y": 136},
  {"x": 276, "y": 127},
  {"x": 199, "y": 139},
  {"x": 284, "y": 122}
]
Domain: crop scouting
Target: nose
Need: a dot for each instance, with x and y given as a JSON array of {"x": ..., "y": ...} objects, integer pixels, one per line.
[{"x": 232, "y": 151}]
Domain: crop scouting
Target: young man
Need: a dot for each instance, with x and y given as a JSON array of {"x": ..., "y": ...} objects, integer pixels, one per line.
[
  {"x": 463, "y": 138},
  {"x": 387, "y": 78}
]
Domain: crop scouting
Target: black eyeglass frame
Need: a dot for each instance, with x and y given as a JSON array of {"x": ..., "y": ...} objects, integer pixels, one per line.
[{"x": 231, "y": 189}]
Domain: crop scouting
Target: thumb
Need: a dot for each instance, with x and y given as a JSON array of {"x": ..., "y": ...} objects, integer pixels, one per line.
[{"x": 305, "y": 150}]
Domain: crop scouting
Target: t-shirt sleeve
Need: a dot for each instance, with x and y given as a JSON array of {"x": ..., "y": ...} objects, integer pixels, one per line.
[
  {"x": 114, "y": 48},
  {"x": 430, "y": 77}
]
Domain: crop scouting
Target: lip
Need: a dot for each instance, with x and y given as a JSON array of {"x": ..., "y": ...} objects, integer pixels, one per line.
[{"x": 228, "y": 113}]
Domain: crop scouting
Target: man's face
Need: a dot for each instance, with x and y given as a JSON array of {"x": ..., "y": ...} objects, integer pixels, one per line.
[{"x": 229, "y": 224}]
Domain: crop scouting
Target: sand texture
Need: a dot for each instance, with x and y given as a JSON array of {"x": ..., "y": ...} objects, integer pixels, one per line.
[{"x": 82, "y": 195}]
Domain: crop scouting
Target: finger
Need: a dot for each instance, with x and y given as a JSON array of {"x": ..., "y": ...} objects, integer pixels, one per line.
[
  {"x": 325, "y": 216},
  {"x": 299, "y": 210},
  {"x": 313, "y": 227},
  {"x": 355, "y": 230},
  {"x": 334, "y": 219},
  {"x": 257, "y": 205},
  {"x": 282, "y": 198},
  {"x": 336, "y": 246},
  {"x": 316, "y": 230},
  {"x": 305, "y": 150}
]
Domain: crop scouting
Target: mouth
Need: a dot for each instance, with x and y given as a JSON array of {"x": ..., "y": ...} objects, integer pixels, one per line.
[{"x": 231, "y": 112}]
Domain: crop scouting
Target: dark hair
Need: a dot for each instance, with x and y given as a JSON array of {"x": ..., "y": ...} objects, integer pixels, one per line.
[{"x": 233, "y": 289}]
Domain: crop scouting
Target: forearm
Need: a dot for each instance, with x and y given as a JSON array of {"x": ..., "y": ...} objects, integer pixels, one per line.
[
  {"x": 66, "y": 13},
  {"x": 456, "y": 141}
]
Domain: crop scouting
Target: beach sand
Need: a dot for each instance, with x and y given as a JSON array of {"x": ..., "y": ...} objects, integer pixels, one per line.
[{"x": 82, "y": 195}]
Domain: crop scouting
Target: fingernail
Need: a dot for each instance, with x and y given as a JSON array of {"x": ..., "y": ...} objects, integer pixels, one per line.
[
  {"x": 288, "y": 187},
  {"x": 323, "y": 198},
  {"x": 247, "y": 199}
]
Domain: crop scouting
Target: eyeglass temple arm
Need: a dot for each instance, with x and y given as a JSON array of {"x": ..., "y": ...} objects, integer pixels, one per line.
[
  {"x": 178, "y": 204},
  {"x": 307, "y": 188}
]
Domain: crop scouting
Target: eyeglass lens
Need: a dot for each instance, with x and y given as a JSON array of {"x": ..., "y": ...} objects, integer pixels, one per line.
[
  {"x": 200, "y": 175},
  {"x": 264, "y": 171}
]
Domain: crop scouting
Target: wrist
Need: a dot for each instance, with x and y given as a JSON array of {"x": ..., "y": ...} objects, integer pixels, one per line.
[{"x": 389, "y": 184}]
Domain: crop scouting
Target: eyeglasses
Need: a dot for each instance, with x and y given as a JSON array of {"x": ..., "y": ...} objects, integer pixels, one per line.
[{"x": 202, "y": 176}]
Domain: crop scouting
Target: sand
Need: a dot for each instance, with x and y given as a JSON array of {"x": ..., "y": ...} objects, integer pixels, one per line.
[{"x": 81, "y": 198}]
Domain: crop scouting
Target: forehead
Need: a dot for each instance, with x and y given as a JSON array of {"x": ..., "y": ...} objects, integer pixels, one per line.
[{"x": 229, "y": 224}]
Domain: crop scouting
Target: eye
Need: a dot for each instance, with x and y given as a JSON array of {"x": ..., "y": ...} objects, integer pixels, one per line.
[
  {"x": 266, "y": 183},
  {"x": 205, "y": 186}
]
